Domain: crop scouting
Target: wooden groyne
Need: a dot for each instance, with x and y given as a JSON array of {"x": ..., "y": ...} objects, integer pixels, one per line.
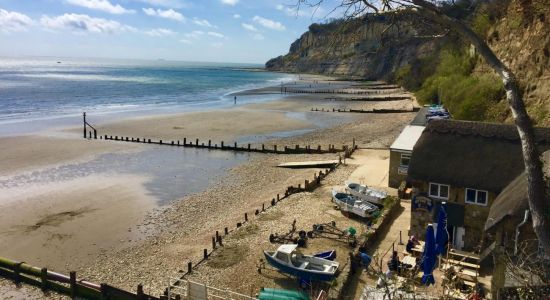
[
  {"x": 196, "y": 143},
  {"x": 362, "y": 111},
  {"x": 373, "y": 98},
  {"x": 47, "y": 280},
  {"x": 286, "y": 90}
]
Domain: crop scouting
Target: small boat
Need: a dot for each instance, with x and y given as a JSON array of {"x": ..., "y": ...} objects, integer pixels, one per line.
[
  {"x": 329, "y": 254},
  {"x": 354, "y": 205},
  {"x": 365, "y": 193},
  {"x": 289, "y": 260}
]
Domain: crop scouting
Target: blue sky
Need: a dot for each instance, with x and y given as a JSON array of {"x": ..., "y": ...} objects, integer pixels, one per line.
[{"x": 208, "y": 30}]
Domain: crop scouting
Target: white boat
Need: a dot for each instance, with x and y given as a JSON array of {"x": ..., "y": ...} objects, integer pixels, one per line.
[
  {"x": 354, "y": 205},
  {"x": 365, "y": 193},
  {"x": 289, "y": 260}
]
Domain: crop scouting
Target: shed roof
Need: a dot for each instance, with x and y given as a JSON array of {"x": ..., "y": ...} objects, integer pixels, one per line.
[
  {"x": 513, "y": 199},
  {"x": 407, "y": 138},
  {"x": 471, "y": 154}
]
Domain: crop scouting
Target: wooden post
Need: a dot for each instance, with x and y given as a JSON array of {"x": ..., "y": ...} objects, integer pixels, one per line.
[
  {"x": 245, "y": 217},
  {"x": 205, "y": 253},
  {"x": 273, "y": 202},
  {"x": 16, "y": 277},
  {"x": 217, "y": 235},
  {"x": 226, "y": 230},
  {"x": 139, "y": 291},
  {"x": 72, "y": 281},
  {"x": 306, "y": 184},
  {"x": 353, "y": 144},
  {"x": 222, "y": 145},
  {"x": 149, "y": 141},
  {"x": 275, "y": 148},
  {"x": 178, "y": 142},
  {"x": 239, "y": 224},
  {"x": 90, "y": 134},
  {"x": 248, "y": 147},
  {"x": 263, "y": 206},
  {"x": 84, "y": 122},
  {"x": 256, "y": 212},
  {"x": 278, "y": 198},
  {"x": 220, "y": 241},
  {"x": 184, "y": 141},
  {"x": 263, "y": 147},
  {"x": 213, "y": 243},
  {"x": 209, "y": 143},
  {"x": 189, "y": 267},
  {"x": 95, "y": 134},
  {"x": 160, "y": 142},
  {"x": 235, "y": 145},
  {"x": 44, "y": 278},
  {"x": 197, "y": 142}
]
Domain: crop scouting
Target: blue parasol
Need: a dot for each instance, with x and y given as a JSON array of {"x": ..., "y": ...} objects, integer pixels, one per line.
[
  {"x": 428, "y": 257},
  {"x": 441, "y": 235}
]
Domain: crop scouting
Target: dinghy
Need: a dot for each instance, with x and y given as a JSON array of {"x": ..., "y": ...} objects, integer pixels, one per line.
[
  {"x": 354, "y": 205},
  {"x": 365, "y": 193},
  {"x": 289, "y": 260},
  {"x": 329, "y": 254}
]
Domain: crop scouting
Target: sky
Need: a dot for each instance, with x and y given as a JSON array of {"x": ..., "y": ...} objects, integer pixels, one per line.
[{"x": 246, "y": 31}]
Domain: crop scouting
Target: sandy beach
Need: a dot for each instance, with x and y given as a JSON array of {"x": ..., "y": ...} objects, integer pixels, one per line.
[{"x": 110, "y": 228}]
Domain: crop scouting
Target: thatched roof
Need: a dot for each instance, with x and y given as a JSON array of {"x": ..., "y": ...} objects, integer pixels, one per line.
[
  {"x": 513, "y": 199},
  {"x": 470, "y": 154}
]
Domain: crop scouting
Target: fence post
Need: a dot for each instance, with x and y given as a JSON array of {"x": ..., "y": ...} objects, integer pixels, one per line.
[
  {"x": 189, "y": 267},
  {"x": 205, "y": 253},
  {"x": 184, "y": 141},
  {"x": 44, "y": 278},
  {"x": 245, "y": 217},
  {"x": 226, "y": 230},
  {"x": 16, "y": 277},
  {"x": 140, "y": 291},
  {"x": 213, "y": 243},
  {"x": 72, "y": 282},
  {"x": 84, "y": 122}
]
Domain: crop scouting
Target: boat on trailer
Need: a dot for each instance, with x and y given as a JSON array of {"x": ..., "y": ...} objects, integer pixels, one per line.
[
  {"x": 289, "y": 260},
  {"x": 355, "y": 205},
  {"x": 365, "y": 193}
]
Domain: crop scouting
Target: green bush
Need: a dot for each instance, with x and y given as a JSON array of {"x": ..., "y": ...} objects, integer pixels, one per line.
[{"x": 467, "y": 96}]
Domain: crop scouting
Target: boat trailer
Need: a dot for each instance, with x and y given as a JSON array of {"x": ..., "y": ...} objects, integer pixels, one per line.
[
  {"x": 288, "y": 238},
  {"x": 330, "y": 231}
]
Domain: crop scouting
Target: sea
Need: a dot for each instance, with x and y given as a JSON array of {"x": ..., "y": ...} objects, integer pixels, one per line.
[{"x": 41, "y": 92}]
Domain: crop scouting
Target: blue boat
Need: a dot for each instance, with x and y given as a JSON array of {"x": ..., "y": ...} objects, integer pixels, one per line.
[
  {"x": 329, "y": 254},
  {"x": 289, "y": 260}
]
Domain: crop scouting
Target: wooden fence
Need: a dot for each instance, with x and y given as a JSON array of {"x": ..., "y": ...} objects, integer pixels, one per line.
[{"x": 45, "y": 279}]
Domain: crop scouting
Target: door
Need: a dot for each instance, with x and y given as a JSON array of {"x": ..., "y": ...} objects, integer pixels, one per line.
[{"x": 458, "y": 240}]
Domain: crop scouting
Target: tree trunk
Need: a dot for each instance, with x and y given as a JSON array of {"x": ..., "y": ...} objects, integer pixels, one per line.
[{"x": 538, "y": 203}]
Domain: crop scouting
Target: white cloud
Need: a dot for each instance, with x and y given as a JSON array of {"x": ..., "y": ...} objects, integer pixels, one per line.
[
  {"x": 249, "y": 27},
  {"x": 267, "y": 23},
  {"x": 194, "y": 35},
  {"x": 167, "y": 14},
  {"x": 102, "y": 5},
  {"x": 236, "y": 16},
  {"x": 84, "y": 23},
  {"x": 215, "y": 34},
  {"x": 203, "y": 22},
  {"x": 257, "y": 36},
  {"x": 11, "y": 21},
  {"x": 166, "y": 3},
  {"x": 186, "y": 41},
  {"x": 302, "y": 11},
  {"x": 159, "y": 32},
  {"x": 230, "y": 2}
]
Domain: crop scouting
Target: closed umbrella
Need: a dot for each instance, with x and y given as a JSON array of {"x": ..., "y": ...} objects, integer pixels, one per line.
[
  {"x": 428, "y": 257},
  {"x": 441, "y": 235}
]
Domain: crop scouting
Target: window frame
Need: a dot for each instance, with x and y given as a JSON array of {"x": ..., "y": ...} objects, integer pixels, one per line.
[
  {"x": 475, "y": 202},
  {"x": 408, "y": 155},
  {"x": 439, "y": 190}
]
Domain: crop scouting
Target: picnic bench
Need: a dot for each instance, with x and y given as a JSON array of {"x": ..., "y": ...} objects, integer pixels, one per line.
[{"x": 461, "y": 263}]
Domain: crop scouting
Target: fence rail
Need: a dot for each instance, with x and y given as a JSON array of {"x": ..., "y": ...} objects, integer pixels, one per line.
[
  {"x": 45, "y": 279},
  {"x": 187, "y": 289}
]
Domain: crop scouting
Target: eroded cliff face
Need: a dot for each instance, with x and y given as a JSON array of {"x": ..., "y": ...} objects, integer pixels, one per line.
[{"x": 368, "y": 48}]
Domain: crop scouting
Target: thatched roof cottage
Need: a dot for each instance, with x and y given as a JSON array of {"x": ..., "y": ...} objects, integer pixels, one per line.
[{"x": 466, "y": 164}]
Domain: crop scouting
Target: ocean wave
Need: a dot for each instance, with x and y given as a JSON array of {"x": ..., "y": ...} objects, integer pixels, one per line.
[{"x": 94, "y": 77}]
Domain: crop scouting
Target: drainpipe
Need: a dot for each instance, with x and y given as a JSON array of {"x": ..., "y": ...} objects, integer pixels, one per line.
[{"x": 525, "y": 217}]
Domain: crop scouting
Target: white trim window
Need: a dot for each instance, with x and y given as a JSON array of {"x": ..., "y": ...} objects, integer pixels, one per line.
[
  {"x": 438, "y": 190},
  {"x": 479, "y": 197},
  {"x": 405, "y": 159}
]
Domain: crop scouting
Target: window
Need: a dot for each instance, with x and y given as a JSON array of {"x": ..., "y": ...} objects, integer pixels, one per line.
[
  {"x": 478, "y": 197},
  {"x": 405, "y": 159},
  {"x": 439, "y": 190}
]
